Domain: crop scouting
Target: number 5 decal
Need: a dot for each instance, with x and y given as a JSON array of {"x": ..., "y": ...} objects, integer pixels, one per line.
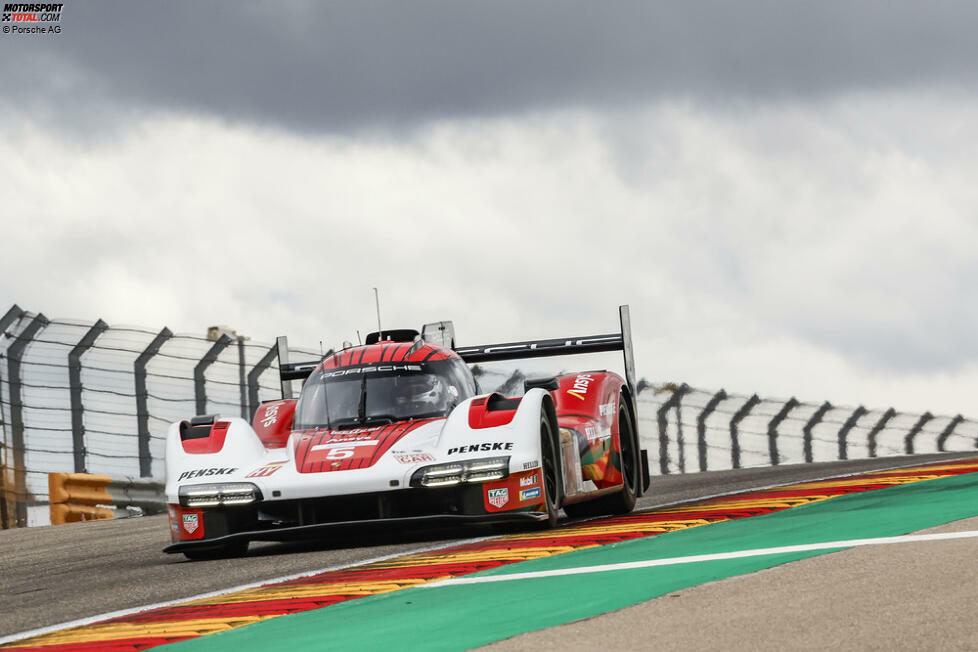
[{"x": 339, "y": 454}]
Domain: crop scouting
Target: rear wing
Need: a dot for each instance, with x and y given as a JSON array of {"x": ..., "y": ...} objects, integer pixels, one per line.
[
  {"x": 621, "y": 341},
  {"x": 443, "y": 333}
]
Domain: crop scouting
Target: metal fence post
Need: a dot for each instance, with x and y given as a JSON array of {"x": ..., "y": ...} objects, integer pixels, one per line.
[
  {"x": 142, "y": 410},
  {"x": 807, "y": 431},
  {"x": 772, "y": 429},
  {"x": 878, "y": 428},
  {"x": 8, "y": 318},
  {"x": 14, "y": 356},
  {"x": 850, "y": 423},
  {"x": 917, "y": 427},
  {"x": 75, "y": 392},
  {"x": 256, "y": 371},
  {"x": 673, "y": 401},
  {"x": 948, "y": 431},
  {"x": 242, "y": 381},
  {"x": 200, "y": 394},
  {"x": 740, "y": 415},
  {"x": 701, "y": 426}
]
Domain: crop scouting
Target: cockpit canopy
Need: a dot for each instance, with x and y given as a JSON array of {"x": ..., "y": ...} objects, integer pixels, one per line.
[{"x": 374, "y": 394}]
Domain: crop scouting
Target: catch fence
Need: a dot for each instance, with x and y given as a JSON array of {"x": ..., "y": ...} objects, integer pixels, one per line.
[
  {"x": 692, "y": 430},
  {"x": 89, "y": 398}
]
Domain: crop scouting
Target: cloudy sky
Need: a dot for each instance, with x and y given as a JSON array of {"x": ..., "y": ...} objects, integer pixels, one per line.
[{"x": 784, "y": 192}]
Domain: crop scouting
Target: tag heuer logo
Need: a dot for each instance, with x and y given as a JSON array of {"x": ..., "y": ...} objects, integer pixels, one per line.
[
  {"x": 498, "y": 497},
  {"x": 190, "y": 523}
]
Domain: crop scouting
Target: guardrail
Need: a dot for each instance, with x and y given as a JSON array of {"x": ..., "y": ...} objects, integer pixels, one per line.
[{"x": 93, "y": 497}]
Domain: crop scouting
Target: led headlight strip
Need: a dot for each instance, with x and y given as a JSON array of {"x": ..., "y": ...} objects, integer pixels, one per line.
[
  {"x": 446, "y": 475},
  {"x": 215, "y": 495}
]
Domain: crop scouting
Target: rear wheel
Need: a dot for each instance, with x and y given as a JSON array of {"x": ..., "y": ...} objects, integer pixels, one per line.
[
  {"x": 548, "y": 469},
  {"x": 621, "y": 502},
  {"x": 234, "y": 549}
]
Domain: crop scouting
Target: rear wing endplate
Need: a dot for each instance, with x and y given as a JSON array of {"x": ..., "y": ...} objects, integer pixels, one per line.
[
  {"x": 621, "y": 341},
  {"x": 289, "y": 371}
]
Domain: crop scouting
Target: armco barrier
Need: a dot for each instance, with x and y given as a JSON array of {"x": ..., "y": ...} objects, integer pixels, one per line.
[
  {"x": 78, "y": 496},
  {"x": 87, "y": 497},
  {"x": 128, "y": 493}
]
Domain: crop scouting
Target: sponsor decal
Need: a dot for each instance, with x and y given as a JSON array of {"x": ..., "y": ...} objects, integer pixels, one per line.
[
  {"x": 488, "y": 446},
  {"x": 591, "y": 433},
  {"x": 185, "y": 523},
  {"x": 529, "y": 466},
  {"x": 265, "y": 471},
  {"x": 344, "y": 435},
  {"x": 345, "y": 443},
  {"x": 374, "y": 369},
  {"x": 606, "y": 409},
  {"x": 529, "y": 494},
  {"x": 581, "y": 384},
  {"x": 200, "y": 473},
  {"x": 528, "y": 481},
  {"x": 271, "y": 414},
  {"x": 411, "y": 458},
  {"x": 173, "y": 514},
  {"x": 190, "y": 523},
  {"x": 498, "y": 497}
]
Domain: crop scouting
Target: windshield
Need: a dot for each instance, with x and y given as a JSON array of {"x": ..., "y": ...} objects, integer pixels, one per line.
[{"x": 374, "y": 394}]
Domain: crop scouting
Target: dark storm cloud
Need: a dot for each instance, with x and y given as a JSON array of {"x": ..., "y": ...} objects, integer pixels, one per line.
[{"x": 353, "y": 64}]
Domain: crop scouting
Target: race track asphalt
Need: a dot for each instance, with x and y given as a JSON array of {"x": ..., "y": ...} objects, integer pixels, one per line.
[{"x": 52, "y": 575}]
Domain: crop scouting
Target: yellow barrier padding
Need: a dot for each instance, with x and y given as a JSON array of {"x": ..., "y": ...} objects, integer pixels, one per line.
[{"x": 75, "y": 497}]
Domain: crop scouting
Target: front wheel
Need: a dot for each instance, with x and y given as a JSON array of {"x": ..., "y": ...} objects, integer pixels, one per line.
[{"x": 548, "y": 468}]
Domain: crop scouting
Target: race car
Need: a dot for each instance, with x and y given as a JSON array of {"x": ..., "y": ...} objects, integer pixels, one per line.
[{"x": 396, "y": 431}]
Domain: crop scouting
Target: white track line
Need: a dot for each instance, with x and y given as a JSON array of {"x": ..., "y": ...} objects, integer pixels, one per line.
[
  {"x": 691, "y": 559},
  {"x": 213, "y": 594}
]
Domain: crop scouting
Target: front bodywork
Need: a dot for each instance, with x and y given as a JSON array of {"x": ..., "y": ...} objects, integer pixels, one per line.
[{"x": 325, "y": 478}]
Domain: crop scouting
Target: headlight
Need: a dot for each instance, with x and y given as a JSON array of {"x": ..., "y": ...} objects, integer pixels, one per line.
[
  {"x": 213, "y": 495},
  {"x": 446, "y": 475}
]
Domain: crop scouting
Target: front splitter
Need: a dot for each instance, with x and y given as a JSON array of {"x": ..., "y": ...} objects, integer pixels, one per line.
[{"x": 300, "y": 532}]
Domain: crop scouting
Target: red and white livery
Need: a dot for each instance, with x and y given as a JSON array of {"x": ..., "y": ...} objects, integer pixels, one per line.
[{"x": 396, "y": 431}]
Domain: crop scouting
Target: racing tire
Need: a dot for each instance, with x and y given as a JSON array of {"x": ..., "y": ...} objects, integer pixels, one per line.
[
  {"x": 548, "y": 470},
  {"x": 621, "y": 502},
  {"x": 235, "y": 549}
]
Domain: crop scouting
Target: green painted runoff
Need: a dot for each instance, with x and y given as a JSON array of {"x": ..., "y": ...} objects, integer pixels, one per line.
[{"x": 466, "y": 616}]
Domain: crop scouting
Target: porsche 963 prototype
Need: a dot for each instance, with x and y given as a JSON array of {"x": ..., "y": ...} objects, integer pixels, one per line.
[{"x": 395, "y": 431}]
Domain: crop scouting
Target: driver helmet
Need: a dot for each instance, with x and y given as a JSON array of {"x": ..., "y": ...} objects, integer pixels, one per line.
[{"x": 425, "y": 390}]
